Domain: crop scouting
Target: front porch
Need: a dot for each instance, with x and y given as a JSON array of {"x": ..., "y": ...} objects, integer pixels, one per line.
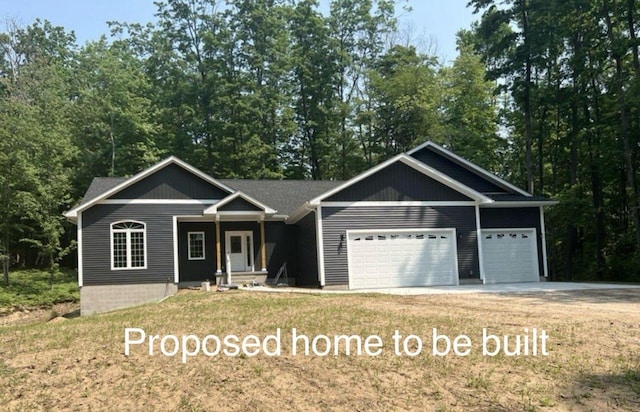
[{"x": 225, "y": 245}]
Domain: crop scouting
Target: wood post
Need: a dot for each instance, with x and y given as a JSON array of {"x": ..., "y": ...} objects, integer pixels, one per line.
[
  {"x": 263, "y": 247},
  {"x": 218, "y": 249}
]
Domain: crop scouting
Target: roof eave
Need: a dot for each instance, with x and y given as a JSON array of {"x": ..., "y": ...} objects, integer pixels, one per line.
[{"x": 521, "y": 203}]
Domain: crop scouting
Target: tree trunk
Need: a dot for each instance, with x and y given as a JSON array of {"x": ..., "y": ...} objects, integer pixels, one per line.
[
  {"x": 527, "y": 98},
  {"x": 5, "y": 259},
  {"x": 572, "y": 231},
  {"x": 596, "y": 189}
]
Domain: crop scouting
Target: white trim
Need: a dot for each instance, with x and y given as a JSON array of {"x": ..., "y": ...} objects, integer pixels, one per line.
[
  {"x": 214, "y": 209},
  {"x": 544, "y": 243},
  {"x": 405, "y": 230},
  {"x": 249, "y": 253},
  {"x": 199, "y": 232},
  {"x": 238, "y": 213},
  {"x": 158, "y": 201},
  {"x": 300, "y": 213},
  {"x": 452, "y": 230},
  {"x": 176, "y": 262},
  {"x": 415, "y": 164},
  {"x": 524, "y": 203},
  {"x": 397, "y": 203},
  {"x": 128, "y": 243},
  {"x": 471, "y": 165},
  {"x": 479, "y": 240},
  {"x": 320, "y": 246},
  {"x": 79, "y": 241},
  {"x": 136, "y": 178}
]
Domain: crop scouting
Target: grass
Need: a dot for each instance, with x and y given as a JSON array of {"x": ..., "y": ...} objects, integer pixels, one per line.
[
  {"x": 79, "y": 364},
  {"x": 31, "y": 289}
]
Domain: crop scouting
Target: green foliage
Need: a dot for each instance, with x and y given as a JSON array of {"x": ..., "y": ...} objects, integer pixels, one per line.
[{"x": 32, "y": 289}]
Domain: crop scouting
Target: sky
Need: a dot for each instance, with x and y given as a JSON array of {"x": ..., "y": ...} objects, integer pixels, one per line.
[{"x": 432, "y": 24}]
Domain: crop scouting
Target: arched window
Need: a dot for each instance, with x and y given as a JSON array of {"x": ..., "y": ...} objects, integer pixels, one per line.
[{"x": 128, "y": 245}]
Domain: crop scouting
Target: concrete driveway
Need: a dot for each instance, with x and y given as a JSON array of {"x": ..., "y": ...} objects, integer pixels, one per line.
[{"x": 529, "y": 287}]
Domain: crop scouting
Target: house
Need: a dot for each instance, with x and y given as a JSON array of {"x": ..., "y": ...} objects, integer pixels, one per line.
[{"x": 422, "y": 218}]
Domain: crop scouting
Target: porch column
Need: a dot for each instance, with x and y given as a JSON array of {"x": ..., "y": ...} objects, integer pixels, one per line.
[
  {"x": 263, "y": 247},
  {"x": 218, "y": 249}
]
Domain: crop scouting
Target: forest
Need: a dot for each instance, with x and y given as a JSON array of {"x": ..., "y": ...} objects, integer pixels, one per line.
[{"x": 544, "y": 93}]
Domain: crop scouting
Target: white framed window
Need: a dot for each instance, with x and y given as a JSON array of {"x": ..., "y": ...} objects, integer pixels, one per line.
[
  {"x": 196, "y": 245},
  {"x": 128, "y": 245}
]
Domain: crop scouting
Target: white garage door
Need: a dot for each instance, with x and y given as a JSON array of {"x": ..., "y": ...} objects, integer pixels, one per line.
[
  {"x": 510, "y": 255},
  {"x": 387, "y": 259}
]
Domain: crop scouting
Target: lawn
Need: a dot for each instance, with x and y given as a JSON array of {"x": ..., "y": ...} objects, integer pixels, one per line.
[
  {"x": 593, "y": 360},
  {"x": 31, "y": 288}
]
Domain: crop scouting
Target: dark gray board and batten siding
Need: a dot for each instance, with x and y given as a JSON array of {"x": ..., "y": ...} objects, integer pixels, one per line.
[
  {"x": 307, "y": 251},
  {"x": 171, "y": 182},
  {"x": 456, "y": 171},
  {"x": 337, "y": 220},
  {"x": 96, "y": 238},
  {"x": 197, "y": 270},
  {"x": 239, "y": 205},
  {"x": 398, "y": 182},
  {"x": 514, "y": 218}
]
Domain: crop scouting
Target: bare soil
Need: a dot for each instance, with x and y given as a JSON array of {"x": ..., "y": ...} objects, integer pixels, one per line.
[{"x": 79, "y": 363}]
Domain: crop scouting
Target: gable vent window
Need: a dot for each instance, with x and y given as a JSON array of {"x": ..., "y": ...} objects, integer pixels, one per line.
[
  {"x": 196, "y": 245},
  {"x": 128, "y": 245}
]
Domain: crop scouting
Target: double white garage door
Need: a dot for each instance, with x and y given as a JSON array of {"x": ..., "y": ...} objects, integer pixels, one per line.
[
  {"x": 403, "y": 258},
  {"x": 428, "y": 257}
]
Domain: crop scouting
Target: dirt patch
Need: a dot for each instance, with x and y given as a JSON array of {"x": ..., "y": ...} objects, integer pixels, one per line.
[
  {"x": 79, "y": 364},
  {"x": 26, "y": 316}
]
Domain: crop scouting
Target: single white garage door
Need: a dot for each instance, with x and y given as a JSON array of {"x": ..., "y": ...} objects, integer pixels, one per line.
[
  {"x": 510, "y": 255},
  {"x": 403, "y": 258}
]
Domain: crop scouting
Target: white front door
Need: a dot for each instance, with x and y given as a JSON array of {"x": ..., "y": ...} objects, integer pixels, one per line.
[{"x": 239, "y": 247}]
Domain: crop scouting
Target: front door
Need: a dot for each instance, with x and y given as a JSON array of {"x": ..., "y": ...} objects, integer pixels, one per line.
[{"x": 239, "y": 247}]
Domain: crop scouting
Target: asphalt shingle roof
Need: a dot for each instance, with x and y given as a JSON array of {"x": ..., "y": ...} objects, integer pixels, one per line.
[
  {"x": 285, "y": 196},
  {"x": 99, "y": 185}
]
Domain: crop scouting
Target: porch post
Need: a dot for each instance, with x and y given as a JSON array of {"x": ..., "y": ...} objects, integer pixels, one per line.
[
  {"x": 263, "y": 248},
  {"x": 218, "y": 249}
]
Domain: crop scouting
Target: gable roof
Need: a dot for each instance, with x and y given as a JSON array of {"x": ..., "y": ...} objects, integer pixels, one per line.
[
  {"x": 118, "y": 186},
  {"x": 417, "y": 165},
  {"x": 469, "y": 166},
  {"x": 286, "y": 196},
  {"x": 239, "y": 195}
]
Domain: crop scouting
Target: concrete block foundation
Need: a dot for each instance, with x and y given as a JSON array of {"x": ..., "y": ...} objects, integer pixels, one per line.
[{"x": 97, "y": 299}]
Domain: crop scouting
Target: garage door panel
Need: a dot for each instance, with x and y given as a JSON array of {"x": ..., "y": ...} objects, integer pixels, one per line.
[
  {"x": 510, "y": 255},
  {"x": 417, "y": 257}
]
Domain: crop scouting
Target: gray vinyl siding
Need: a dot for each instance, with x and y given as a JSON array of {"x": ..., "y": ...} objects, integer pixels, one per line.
[
  {"x": 96, "y": 238},
  {"x": 457, "y": 172},
  {"x": 197, "y": 270},
  {"x": 171, "y": 182},
  {"x": 239, "y": 205},
  {"x": 307, "y": 251},
  {"x": 337, "y": 220},
  {"x": 513, "y": 218},
  {"x": 398, "y": 182}
]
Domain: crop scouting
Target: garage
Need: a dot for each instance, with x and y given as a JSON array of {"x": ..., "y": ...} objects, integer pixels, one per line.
[
  {"x": 401, "y": 258},
  {"x": 510, "y": 255}
]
